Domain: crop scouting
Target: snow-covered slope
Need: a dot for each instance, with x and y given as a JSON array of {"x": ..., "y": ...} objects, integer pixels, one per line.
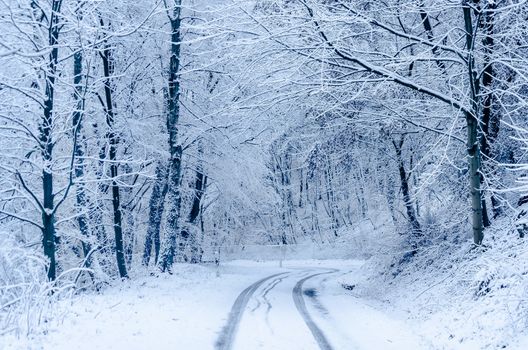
[{"x": 456, "y": 295}]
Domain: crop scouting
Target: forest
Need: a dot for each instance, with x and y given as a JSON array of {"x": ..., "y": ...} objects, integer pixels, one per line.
[{"x": 172, "y": 141}]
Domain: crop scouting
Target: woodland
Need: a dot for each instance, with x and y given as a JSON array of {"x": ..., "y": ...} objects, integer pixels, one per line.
[{"x": 139, "y": 135}]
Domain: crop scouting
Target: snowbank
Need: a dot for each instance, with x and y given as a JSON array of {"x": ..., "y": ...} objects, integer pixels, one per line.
[{"x": 459, "y": 296}]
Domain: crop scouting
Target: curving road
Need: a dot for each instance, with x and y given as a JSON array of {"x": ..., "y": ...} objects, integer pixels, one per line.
[
  {"x": 272, "y": 313},
  {"x": 298, "y": 298},
  {"x": 227, "y": 335}
]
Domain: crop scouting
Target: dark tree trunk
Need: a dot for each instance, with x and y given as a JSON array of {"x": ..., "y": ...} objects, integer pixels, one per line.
[
  {"x": 174, "y": 196},
  {"x": 490, "y": 122},
  {"x": 82, "y": 200},
  {"x": 404, "y": 185},
  {"x": 199, "y": 190},
  {"x": 108, "y": 67},
  {"x": 282, "y": 172},
  {"x": 170, "y": 244},
  {"x": 330, "y": 206},
  {"x": 130, "y": 235},
  {"x": 156, "y": 205},
  {"x": 301, "y": 187},
  {"x": 45, "y": 131},
  {"x": 473, "y": 147},
  {"x": 426, "y": 22}
]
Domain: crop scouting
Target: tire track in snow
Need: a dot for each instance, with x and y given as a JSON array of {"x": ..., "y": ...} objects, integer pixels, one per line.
[
  {"x": 268, "y": 303},
  {"x": 227, "y": 335},
  {"x": 298, "y": 299},
  {"x": 264, "y": 292}
]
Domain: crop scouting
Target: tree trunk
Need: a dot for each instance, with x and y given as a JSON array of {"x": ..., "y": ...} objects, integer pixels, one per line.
[
  {"x": 45, "y": 133},
  {"x": 490, "y": 119},
  {"x": 156, "y": 205},
  {"x": 169, "y": 243},
  {"x": 108, "y": 66},
  {"x": 404, "y": 185},
  {"x": 130, "y": 235},
  {"x": 426, "y": 22},
  {"x": 330, "y": 199},
  {"x": 82, "y": 200},
  {"x": 168, "y": 250},
  {"x": 474, "y": 179},
  {"x": 391, "y": 199},
  {"x": 472, "y": 135},
  {"x": 199, "y": 190}
]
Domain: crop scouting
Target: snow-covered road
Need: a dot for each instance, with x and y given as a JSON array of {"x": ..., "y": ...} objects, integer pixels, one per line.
[
  {"x": 242, "y": 306},
  {"x": 298, "y": 298},
  {"x": 291, "y": 310},
  {"x": 276, "y": 319}
]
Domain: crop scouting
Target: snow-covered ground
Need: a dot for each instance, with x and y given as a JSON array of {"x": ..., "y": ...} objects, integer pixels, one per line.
[
  {"x": 180, "y": 311},
  {"x": 303, "y": 304},
  {"x": 191, "y": 309}
]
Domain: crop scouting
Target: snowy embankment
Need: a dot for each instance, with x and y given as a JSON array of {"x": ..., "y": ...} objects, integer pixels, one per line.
[
  {"x": 180, "y": 311},
  {"x": 455, "y": 295}
]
